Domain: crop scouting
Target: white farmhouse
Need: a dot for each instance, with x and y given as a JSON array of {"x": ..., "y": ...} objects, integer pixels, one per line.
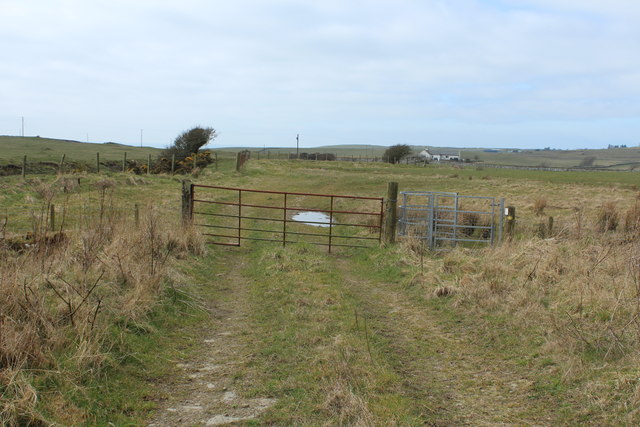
[{"x": 433, "y": 155}]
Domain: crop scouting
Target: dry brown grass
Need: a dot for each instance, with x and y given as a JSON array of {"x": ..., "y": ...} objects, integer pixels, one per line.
[
  {"x": 632, "y": 218},
  {"x": 539, "y": 205},
  {"x": 608, "y": 217},
  {"x": 61, "y": 295},
  {"x": 343, "y": 404},
  {"x": 579, "y": 291}
]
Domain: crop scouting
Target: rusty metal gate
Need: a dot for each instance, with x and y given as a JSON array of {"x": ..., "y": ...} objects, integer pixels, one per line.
[
  {"x": 449, "y": 219},
  {"x": 231, "y": 215}
]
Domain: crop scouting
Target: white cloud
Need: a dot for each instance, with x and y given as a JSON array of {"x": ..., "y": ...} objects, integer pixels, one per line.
[{"x": 249, "y": 64}]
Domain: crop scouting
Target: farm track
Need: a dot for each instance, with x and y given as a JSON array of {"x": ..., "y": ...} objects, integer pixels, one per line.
[
  {"x": 206, "y": 389},
  {"x": 449, "y": 376}
]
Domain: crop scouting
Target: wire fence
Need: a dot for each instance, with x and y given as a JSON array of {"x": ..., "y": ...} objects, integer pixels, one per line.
[
  {"x": 90, "y": 206},
  {"x": 110, "y": 162}
]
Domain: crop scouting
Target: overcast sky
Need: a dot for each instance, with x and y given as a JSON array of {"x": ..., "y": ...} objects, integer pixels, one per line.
[{"x": 463, "y": 73}]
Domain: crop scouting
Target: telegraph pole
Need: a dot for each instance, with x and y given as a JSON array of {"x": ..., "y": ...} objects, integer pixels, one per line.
[{"x": 297, "y": 146}]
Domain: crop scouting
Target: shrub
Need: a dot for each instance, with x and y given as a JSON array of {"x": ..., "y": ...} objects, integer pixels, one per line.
[
  {"x": 183, "y": 166},
  {"x": 395, "y": 153},
  {"x": 189, "y": 142}
]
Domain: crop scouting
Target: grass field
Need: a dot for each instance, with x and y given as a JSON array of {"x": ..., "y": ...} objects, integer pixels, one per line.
[
  {"x": 14, "y": 148},
  {"x": 623, "y": 159},
  {"x": 541, "y": 330},
  {"x": 615, "y": 158}
]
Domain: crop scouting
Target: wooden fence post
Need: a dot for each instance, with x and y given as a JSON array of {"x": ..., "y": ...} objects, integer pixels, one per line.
[
  {"x": 510, "y": 225},
  {"x": 24, "y": 166},
  {"x": 124, "y": 162},
  {"x": 187, "y": 202},
  {"x": 550, "y": 227},
  {"x": 173, "y": 164},
  {"x": 238, "y": 161},
  {"x": 391, "y": 215},
  {"x": 61, "y": 163},
  {"x": 149, "y": 164},
  {"x": 98, "y": 162},
  {"x": 52, "y": 217}
]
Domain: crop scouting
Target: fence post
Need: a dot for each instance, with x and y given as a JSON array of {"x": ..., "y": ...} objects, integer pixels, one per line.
[
  {"x": 124, "y": 162},
  {"x": 187, "y": 201},
  {"x": 61, "y": 163},
  {"x": 24, "y": 166},
  {"x": 52, "y": 217},
  {"x": 149, "y": 164},
  {"x": 510, "y": 225},
  {"x": 238, "y": 161},
  {"x": 550, "y": 228},
  {"x": 98, "y": 162},
  {"x": 173, "y": 164},
  {"x": 391, "y": 213}
]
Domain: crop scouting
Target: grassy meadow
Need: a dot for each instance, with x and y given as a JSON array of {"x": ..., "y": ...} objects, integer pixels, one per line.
[
  {"x": 100, "y": 314},
  {"x": 14, "y": 148},
  {"x": 623, "y": 159},
  {"x": 613, "y": 158}
]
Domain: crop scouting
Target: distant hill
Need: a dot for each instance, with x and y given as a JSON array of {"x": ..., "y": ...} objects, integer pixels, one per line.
[{"x": 14, "y": 148}]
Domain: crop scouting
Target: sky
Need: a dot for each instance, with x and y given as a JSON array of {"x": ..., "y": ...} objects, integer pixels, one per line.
[{"x": 458, "y": 73}]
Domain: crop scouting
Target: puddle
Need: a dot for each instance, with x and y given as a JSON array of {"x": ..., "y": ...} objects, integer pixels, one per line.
[{"x": 316, "y": 219}]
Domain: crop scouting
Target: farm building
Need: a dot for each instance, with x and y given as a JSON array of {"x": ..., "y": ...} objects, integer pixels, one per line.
[{"x": 439, "y": 155}]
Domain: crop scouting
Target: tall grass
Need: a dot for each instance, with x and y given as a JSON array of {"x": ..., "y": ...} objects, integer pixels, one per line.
[
  {"x": 63, "y": 292},
  {"x": 574, "y": 299}
]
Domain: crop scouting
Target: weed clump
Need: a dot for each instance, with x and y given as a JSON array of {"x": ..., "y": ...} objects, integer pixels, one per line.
[
  {"x": 632, "y": 218},
  {"x": 608, "y": 217},
  {"x": 538, "y": 206}
]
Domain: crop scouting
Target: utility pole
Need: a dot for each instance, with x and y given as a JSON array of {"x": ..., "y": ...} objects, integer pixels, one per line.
[{"x": 297, "y": 146}]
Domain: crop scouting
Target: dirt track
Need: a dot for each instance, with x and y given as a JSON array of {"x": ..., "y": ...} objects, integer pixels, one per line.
[{"x": 447, "y": 370}]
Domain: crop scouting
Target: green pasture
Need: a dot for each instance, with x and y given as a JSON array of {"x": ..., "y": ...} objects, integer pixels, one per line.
[
  {"x": 14, "y": 148},
  {"x": 37, "y": 149},
  {"x": 615, "y": 158}
]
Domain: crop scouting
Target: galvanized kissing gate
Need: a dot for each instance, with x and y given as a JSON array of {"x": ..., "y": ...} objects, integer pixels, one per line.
[
  {"x": 448, "y": 219},
  {"x": 231, "y": 215}
]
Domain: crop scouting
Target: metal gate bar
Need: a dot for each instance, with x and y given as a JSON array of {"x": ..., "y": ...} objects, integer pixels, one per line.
[
  {"x": 207, "y": 214},
  {"x": 439, "y": 218}
]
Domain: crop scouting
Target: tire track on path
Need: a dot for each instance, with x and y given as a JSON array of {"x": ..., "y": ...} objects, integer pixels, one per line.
[
  {"x": 206, "y": 390},
  {"x": 452, "y": 379}
]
